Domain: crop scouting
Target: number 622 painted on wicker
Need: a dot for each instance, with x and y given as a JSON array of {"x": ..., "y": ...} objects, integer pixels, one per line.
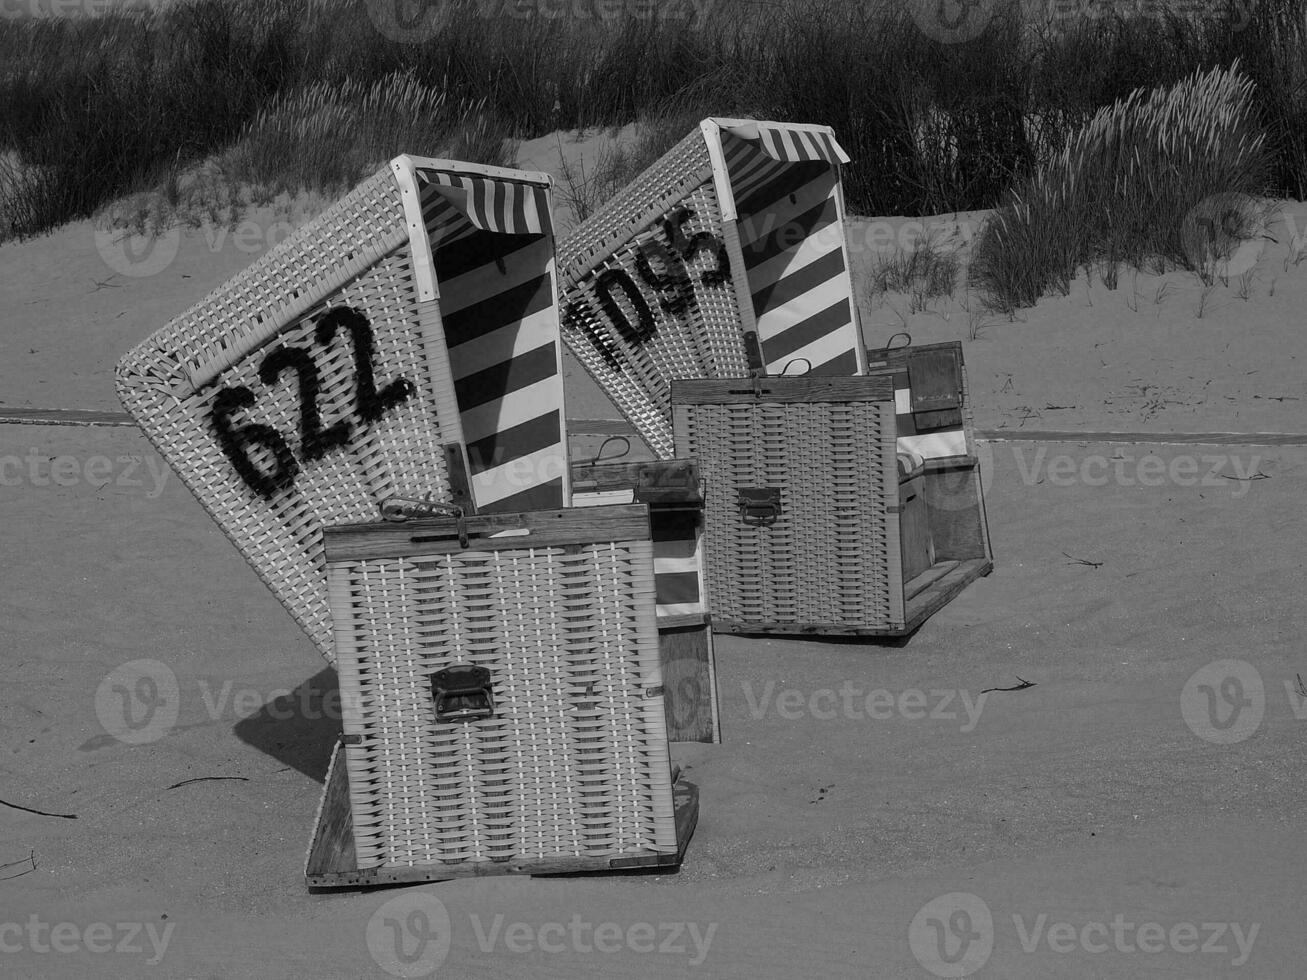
[{"x": 315, "y": 441}]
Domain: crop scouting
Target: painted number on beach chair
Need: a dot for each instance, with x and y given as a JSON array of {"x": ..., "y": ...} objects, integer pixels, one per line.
[
  {"x": 315, "y": 441},
  {"x": 664, "y": 268}
]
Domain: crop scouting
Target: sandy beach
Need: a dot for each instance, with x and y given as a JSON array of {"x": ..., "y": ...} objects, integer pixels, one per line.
[{"x": 1098, "y": 823}]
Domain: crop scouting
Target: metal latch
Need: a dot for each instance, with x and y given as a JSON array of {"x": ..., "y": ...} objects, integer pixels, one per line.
[
  {"x": 462, "y": 693},
  {"x": 759, "y": 506}
]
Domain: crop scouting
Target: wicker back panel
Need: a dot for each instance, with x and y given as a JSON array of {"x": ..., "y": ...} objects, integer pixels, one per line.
[
  {"x": 831, "y": 558},
  {"x": 355, "y": 255},
  {"x": 574, "y": 761},
  {"x": 647, "y": 291}
]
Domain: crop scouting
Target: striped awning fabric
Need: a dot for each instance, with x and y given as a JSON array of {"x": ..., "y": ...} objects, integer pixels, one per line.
[
  {"x": 793, "y": 245},
  {"x": 790, "y": 144},
  {"x": 454, "y": 205}
]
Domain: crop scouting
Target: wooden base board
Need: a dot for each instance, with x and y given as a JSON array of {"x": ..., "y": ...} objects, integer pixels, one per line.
[
  {"x": 933, "y": 589},
  {"x": 331, "y": 859}
]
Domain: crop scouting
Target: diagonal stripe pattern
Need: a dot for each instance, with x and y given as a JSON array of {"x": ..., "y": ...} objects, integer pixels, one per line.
[
  {"x": 493, "y": 253},
  {"x": 785, "y": 184}
]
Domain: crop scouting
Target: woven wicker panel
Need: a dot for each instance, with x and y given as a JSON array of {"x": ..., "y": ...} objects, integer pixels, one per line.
[
  {"x": 574, "y": 761},
  {"x": 669, "y": 311},
  {"x": 355, "y": 255},
  {"x": 831, "y": 559}
]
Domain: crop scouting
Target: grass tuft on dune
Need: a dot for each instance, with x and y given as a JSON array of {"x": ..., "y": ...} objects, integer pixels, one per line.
[{"x": 1166, "y": 176}]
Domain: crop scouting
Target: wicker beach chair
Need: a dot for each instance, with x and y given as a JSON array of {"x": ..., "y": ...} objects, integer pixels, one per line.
[
  {"x": 725, "y": 257},
  {"x": 403, "y": 345}
]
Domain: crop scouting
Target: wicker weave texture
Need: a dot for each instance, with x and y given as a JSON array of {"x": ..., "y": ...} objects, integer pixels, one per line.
[
  {"x": 354, "y": 255},
  {"x": 831, "y": 558},
  {"x": 574, "y": 761},
  {"x": 647, "y": 291}
]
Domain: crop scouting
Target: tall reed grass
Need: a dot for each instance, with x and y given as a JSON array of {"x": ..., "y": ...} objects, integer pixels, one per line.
[
  {"x": 1122, "y": 187},
  {"x": 96, "y": 108}
]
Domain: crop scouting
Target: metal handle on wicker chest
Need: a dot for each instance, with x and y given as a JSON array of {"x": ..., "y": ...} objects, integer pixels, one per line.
[
  {"x": 462, "y": 693},
  {"x": 759, "y": 506}
]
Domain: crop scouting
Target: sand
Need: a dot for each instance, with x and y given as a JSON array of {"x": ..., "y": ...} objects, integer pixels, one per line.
[{"x": 1084, "y": 800}]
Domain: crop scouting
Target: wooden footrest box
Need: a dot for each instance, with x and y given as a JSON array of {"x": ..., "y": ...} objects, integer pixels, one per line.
[{"x": 501, "y": 692}]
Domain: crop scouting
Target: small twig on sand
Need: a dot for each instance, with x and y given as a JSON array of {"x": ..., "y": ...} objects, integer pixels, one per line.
[
  {"x": 207, "y": 779},
  {"x": 30, "y": 861},
  {"x": 39, "y": 813},
  {"x": 1259, "y": 475},
  {"x": 1082, "y": 561},
  {"x": 1017, "y": 687},
  {"x": 1302, "y": 688}
]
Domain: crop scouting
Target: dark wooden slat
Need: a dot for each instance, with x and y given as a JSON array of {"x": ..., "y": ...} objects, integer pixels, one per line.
[
  {"x": 333, "y": 833},
  {"x": 689, "y": 683},
  {"x": 734, "y": 391},
  {"x": 667, "y": 480},
  {"x": 933, "y": 598},
  {"x": 956, "y": 513},
  {"x": 578, "y": 525}
]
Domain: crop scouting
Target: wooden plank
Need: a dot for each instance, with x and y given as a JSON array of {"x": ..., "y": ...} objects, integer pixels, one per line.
[
  {"x": 889, "y": 358},
  {"x": 940, "y": 463},
  {"x": 658, "y": 481},
  {"x": 916, "y": 545},
  {"x": 927, "y": 577},
  {"x": 333, "y": 831},
  {"x": 689, "y": 684},
  {"x": 935, "y": 377},
  {"x": 930, "y": 600},
  {"x": 686, "y": 619},
  {"x": 957, "y": 518},
  {"x": 796, "y": 629},
  {"x": 586, "y": 525},
  {"x": 733, "y": 391}
]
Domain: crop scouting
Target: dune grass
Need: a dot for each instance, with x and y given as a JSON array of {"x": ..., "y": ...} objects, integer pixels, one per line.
[
  {"x": 95, "y": 109},
  {"x": 1163, "y": 175}
]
